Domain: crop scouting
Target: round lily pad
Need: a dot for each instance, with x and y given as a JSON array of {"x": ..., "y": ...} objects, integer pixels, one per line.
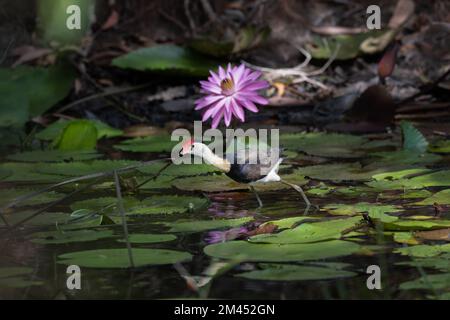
[
  {"x": 118, "y": 258},
  {"x": 58, "y": 237},
  {"x": 149, "y": 238},
  {"x": 54, "y": 156},
  {"x": 274, "y": 252}
]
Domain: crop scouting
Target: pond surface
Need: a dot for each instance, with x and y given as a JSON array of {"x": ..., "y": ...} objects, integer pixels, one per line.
[{"x": 196, "y": 234}]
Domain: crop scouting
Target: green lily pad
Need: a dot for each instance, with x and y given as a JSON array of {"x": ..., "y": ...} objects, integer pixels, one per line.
[
  {"x": 178, "y": 170},
  {"x": 9, "y": 195},
  {"x": 416, "y": 225},
  {"x": 54, "y": 156},
  {"x": 58, "y": 237},
  {"x": 400, "y": 174},
  {"x": 149, "y": 238},
  {"x": 203, "y": 225},
  {"x": 220, "y": 182},
  {"x": 26, "y": 172},
  {"x": 423, "y": 250},
  {"x": 162, "y": 182},
  {"x": 405, "y": 237},
  {"x": 160, "y": 143},
  {"x": 83, "y": 168},
  {"x": 279, "y": 253},
  {"x": 152, "y": 205},
  {"x": 283, "y": 272},
  {"x": 331, "y": 145},
  {"x": 375, "y": 211},
  {"x": 440, "y": 147},
  {"x": 118, "y": 258},
  {"x": 286, "y": 223},
  {"x": 441, "y": 197},
  {"x": 43, "y": 219},
  {"x": 430, "y": 282},
  {"x": 335, "y": 172},
  {"x": 13, "y": 277},
  {"x": 309, "y": 232},
  {"x": 435, "y": 179},
  {"x": 78, "y": 135},
  {"x": 440, "y": 262},
  {"x": 54, "y": 130},
  {"x": 167, "y": 57},
  {"x": 395, "y": 159}
]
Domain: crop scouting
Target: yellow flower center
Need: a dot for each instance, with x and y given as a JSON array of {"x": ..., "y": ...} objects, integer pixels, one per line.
[{"x": 227, "y": 86}]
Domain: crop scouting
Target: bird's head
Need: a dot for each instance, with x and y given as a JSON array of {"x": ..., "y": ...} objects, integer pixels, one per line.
[{"x": 192, "y": 147}]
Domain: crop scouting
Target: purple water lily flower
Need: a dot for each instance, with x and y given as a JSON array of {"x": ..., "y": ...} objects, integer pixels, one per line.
[
  {"x": 229, "y": 92},
  {"x": 227, "y": 235}
]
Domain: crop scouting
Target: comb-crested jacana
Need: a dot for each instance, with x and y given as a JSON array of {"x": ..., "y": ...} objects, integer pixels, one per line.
[{"x": 242, "y": 169}]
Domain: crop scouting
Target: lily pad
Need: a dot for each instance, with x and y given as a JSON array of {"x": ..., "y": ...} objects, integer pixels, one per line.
[
  {"x": 435, "y": 179},
  {"x": 9, "y": 195},
  {"x": 149, "y": 238},
  {"x": 331, "y": 145},
  {"x": 279, "y": 253},
  {"x": 283, "y": 272},
  {"x": 429, "y": 281},
  {"x": 83, "y": 168},
  {"x": 58, "y": 237},
  {"x": 78, "y": 135},
  {"x": 43, "y": 219},
  {"x": 405, "y": 237},
  {"x": 335, "y": 172},
  {"x": 203, "y": 225},
  {"x": 167, "y": 57},
  {"x": 14, "y": 277},
  {"x": 152, "y": 205},
  {"x": 54, "y": 156},
  {"x": 215, "y": 183},
  {"x": 160, "y": 143},
  {"x": 26, "y": 172},
  {"x": 440, "y": 147},
  {"x": 441, "y": 197},
  {"x": 424, "y": 250},
  {"x": 375, "y": 211},
  {"x": 179, "y": 170},
  {"x": 309, "y": 232},
  {"x": 118, "y": 258},
  {"x": 54, "y": 130},
  {"x": 415, "y": 225}
]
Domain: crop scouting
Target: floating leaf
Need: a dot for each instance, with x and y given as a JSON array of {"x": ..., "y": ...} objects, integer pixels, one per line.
[
  {"x": 20, "y": 172},
  {"x": 167, "y": 57},
  {"x": 413, "y": 139},
  {"x": 203, "y": 225},
  {"x": 54, "y": 130},
  {"x": 118, "y": 258},
  {"x": 331, "y": 145},
  {"x": 43, "y": 219},
  {"x": 58, "y": 237},
  {"x": 13, "y": 277},
  {"x": 440, "y": 147},
  {"x": 152, "y": 205},
  {"x": 8, "y": 195},
  {"x": 290, "y": 222},
  {"x": 149, "y": 238},
  {"x": 400, "y": 174},
  {"x": 375, "y": 211},
  {"x": 279, "y": 253},
  {"x": 309, "y": 232},
  {"x": 83, "y": 168},
  {"x": 334, "y": 172},
  {"x": 429, "y": 281},
  {"x": 424, "y": 250},
  {"x": 215, "y": 183},
  {"x": 160, "y": 143},
  {"x": 441, "y": 197},
  {"x": 405, "y": 237},
  {"x": 283, "y": 272},
  {"x": 441, "y": 262},
  {"x": 179, "y": 170},
  {"x": 78, "y": 135},
  {"x": 54, "y": 156},
  {"x": 413, "y": 225},
  {"x": 435, "y": 179}
]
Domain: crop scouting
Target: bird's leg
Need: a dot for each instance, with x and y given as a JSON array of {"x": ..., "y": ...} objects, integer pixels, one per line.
[
  {"x": 257, "y": 196},
  {"x": 299, "y": 190}
]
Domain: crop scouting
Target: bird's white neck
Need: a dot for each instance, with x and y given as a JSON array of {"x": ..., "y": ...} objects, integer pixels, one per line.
[{"x": 202, "y": 150}]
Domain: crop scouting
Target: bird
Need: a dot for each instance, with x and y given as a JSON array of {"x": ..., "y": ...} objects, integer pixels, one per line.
[{"x": 238, "y": 167}]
